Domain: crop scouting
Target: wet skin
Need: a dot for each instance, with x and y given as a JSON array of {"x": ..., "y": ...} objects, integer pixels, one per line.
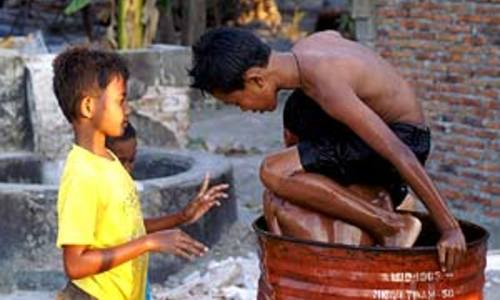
[
  {"x": 286, "y": 218},
  {"x": 358, "y": 88}
]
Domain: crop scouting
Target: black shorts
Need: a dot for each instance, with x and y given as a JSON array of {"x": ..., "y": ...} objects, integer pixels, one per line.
[
  {"x": 73, "y": 292},
  {"x": 330, "y": 148}
]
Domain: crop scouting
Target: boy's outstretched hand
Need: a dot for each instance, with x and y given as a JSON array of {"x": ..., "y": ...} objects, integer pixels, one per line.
[
  {"x": 205, "y": 200},
  {"x": 176, "y": 242}
]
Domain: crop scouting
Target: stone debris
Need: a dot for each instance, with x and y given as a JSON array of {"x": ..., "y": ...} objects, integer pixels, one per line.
[
  {"x": 234, "y": 278},
  {"x": 493, "y": 260}
]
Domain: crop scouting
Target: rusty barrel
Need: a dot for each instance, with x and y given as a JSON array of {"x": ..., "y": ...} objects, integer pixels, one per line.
[{"x": 298, "y": 269}]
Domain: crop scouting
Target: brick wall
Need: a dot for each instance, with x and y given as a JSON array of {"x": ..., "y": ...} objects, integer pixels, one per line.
[{"x": 450, "y": 52}]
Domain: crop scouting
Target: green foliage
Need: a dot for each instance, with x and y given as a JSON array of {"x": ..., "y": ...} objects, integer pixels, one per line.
[
  {"x": 76, "y": 5},
  {"x": 346, "y": 24},
  {"x": 164, "y": 3}
]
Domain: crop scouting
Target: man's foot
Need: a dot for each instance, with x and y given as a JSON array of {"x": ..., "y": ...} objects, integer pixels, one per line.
[{"x": 407, "y": 235}]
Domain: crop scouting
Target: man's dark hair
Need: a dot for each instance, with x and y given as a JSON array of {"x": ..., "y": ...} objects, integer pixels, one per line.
[
  {"x": 129, "y": 133},
  {"x": 81, "y": 72},
  {"x": 222, "y": 56}
]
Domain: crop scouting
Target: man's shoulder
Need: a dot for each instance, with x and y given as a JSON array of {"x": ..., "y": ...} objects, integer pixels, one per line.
[{"x": 318, "y": 39}]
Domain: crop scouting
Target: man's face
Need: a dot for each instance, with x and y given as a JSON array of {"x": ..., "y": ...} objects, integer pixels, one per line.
[
  {"x": 125, "y": 150},
  {"x": 111, "y": 116},
  {"x": 251, "y": 98}
]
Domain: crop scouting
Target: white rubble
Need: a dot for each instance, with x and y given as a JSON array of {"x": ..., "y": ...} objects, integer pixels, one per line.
[{"x": 234, "y": 278}]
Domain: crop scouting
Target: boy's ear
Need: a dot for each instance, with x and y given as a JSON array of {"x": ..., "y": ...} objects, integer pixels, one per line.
[
  {"x": 255, "y": 75},
  {"x": 87, "y": 106}
]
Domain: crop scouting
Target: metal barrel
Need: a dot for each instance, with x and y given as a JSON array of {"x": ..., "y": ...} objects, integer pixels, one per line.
[{"x": 293, "y": 269}]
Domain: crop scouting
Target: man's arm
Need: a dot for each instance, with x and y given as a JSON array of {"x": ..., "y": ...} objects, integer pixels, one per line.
[
  {"x": 81, "y": 261},
  {"x": 340, "y": 102}
]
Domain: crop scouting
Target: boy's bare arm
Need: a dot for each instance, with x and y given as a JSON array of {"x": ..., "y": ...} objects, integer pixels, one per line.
[
  {"x": 81, "y": 261},
  {"x": 196, "y": 208},
  {"x": 164, "y": 222},
  {"x": 341, "y": 103}
]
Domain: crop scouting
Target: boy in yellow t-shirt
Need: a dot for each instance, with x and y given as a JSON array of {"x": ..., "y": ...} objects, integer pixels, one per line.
[{"x": 104, "y": 238}]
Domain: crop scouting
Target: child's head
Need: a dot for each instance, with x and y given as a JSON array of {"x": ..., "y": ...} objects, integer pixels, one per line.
[
  {"x": 90, "y": 87},
  {"x": 230, "y": 64},
  {"x": 124, "y": 147}
]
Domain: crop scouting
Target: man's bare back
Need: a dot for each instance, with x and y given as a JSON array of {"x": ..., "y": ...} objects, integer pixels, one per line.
[{"x": 328, "y": 55}]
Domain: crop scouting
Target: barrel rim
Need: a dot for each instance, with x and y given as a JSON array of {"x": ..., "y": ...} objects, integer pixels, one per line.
[{"x": 269, "y": 235}]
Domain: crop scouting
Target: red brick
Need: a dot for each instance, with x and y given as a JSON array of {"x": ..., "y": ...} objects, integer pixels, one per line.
[
  {"x": 491, "y": 166},
  {"x": 493, "y": 94},
  {"x": 492, "y": 189},
  {"x": 447, "y": 37},
  {"x": 456, "y": 28},
  {"x": 450, "y": 194},
  {"x": 419, "y": 13},
  {"x": 473, "y": 18},
  {"x": 494, "y": 105},
  {"x": 441, "y": 18},
  {"x": 490, "y": 71},
  {"x": 429, "y": 36},
  {"x": 474, "y": 176},
  {"x": 388, "y": 12},
  {"x": 493, "y": 21},
  {"x": 492, "y": 213},
  {"x": 488, "y": 10},
  {"x": 481, "y": 200}
]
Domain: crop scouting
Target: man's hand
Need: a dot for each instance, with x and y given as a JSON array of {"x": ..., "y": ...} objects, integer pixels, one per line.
[
  {"x": 205, "y": 200},
  {"x": 451, "y": 249},
  {"x": 175, "y": 241}
]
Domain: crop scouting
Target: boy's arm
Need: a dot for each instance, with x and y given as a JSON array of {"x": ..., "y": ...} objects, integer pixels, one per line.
[
  {"x": 340, "y": 102},
  {"x": 164, "y": 222},
  {"x": 196, "y": 208},
  {"x": 81, "y": 261}
]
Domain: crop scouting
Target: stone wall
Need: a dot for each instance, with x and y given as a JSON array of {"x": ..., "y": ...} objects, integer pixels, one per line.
[
  {"x": 450, "y": 52},
  {"x": 52, "y": 134},
  {"x": 159, "y": 95},
  {"x": 15, "y": 127},
  {"x": 166, "y": 180}
]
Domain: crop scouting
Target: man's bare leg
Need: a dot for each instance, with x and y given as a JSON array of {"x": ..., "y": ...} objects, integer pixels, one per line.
[
  {"x": 282, "y": 174},
  {"x": 285, "y": 218}
]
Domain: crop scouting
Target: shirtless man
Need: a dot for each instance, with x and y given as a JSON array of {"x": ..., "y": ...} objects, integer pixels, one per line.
[{"x": 362, "y": 93}]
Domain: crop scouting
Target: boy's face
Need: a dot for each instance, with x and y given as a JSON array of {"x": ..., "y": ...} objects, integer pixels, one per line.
[
  {"x": 252, "y": 98},
  {"x": 111, "y": 115},
  {"x": 125, "y": 150}
]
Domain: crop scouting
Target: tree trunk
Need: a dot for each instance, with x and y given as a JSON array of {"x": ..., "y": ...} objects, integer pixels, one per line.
[
  {"x": 194, "y": 20},
  {"x": 130, "y": 29}
]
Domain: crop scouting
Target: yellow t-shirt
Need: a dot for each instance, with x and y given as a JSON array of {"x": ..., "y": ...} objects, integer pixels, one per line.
[{"x": 98, "y": 206}]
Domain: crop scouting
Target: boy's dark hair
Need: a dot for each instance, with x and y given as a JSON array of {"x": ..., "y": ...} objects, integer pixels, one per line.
[
  {"x": 129, "y": 133},
  {"x": 222, "y": 56},
  {"x": 81, "y": 72}
]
